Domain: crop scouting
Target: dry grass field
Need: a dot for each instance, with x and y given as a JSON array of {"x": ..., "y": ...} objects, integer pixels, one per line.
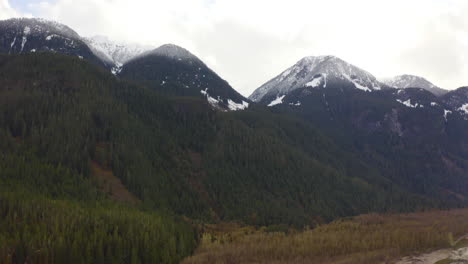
[{"x": 366, "y": 239}]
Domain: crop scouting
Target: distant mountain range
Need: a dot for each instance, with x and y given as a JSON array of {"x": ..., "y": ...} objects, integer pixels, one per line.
[
  {"x": 412, "y": 81},
  {"x": 38, "y": 35},
  {"x": 331, "y": 73}
]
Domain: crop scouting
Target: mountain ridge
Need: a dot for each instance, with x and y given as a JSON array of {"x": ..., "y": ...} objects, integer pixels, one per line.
[
  {"x": 24, "y": 35},
  {"x": 413, "y": 81},
  {"x": 317, "y": 72},
  {"x": 116, "y": 53},
  {"x": 190, "y": 74},
  {"x": 172, "y": 66}
]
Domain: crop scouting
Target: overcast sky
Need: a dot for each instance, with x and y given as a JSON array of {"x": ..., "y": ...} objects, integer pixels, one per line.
[{"x": 248, "y": 42}]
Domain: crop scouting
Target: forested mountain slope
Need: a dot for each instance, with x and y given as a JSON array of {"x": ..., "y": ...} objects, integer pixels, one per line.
[
  {"x": 457, "y": 100},
  {"x": 52, "y": 209},
  {"x": 178, "y": 154},
  {"x": 409, "y": 135}
]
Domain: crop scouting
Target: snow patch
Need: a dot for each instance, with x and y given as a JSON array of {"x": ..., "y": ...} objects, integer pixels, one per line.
[
  {"x": 50, "y": 37},
  {"x": 409, "y": 104},
  {"x": 285, "y": 74},
  {"x": 117, "y": 68},
  {"x": 116, "y": 52},
  {"x": 26, "y": 32},
  {"x": 376, "y": 87},
  {"x": 434, "y": 104},
  {"x": 233, "y": 106},
  {"x": 361, "y": 87},
  {"x": 212, "y": 101},
  {"x": 356, "y": 84},
  {"x": 315, "y": 82},
  {"x": 25, "y": 39},
  {"x": 295, "y": 104},
  {"x": 277, "y": 101},
  {"x": 446, "y": 112},
  {"x": 464, "y": 108},
  {"x": 13, "y": 43}
]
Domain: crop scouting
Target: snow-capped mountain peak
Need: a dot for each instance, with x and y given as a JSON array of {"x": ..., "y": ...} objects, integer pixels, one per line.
[
  {"x": 20, "y": 30},
  {"x": 175, "y": 70},
  {"x": 408, "y": 81},
  {"x": 24, "y": 35},
  {"x": 172, "y": 51},
  {"x": 36, "y": 26},
  {"x": 411, "y": 81},
  {"x": 317, "y": 72},
  {"x": 117, "y": 53}
]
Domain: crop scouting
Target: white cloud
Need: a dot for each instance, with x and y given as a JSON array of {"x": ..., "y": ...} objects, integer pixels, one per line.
[
  {"x": 6, "y": 11},
  {"x": 250, "y": 41}
]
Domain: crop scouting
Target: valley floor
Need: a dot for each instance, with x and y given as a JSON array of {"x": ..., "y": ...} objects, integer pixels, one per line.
[
  {"x": 366, "y": 239},
  {"x": 454, "y": 255}
]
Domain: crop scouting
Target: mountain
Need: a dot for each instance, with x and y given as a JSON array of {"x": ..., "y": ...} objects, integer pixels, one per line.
[
  {"x": 412, "y": 81},
  {"x": 410, "y": 135},
  {"x": 117, "y": 162},
  {"x": 422, "y": 98},
  {"x": 115, "y": 53},
  {"x": 155, "y": 67},
  {"x": 316, "y": 72},
  {"x": 457, "y": 100},
  {"x": 24, "y": 35},
  {"x": 174, "y": 70},
  {"x": 176, "y": 154},
  {"x": 416, "y": 97}
]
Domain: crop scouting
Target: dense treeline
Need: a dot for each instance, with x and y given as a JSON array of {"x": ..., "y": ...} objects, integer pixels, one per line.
[
  {"x": 50, "y": 214},
  {"x": 177, "y": 154},
  {"x": 34, "y": 229},
  {"x": 51, "y": 210}
]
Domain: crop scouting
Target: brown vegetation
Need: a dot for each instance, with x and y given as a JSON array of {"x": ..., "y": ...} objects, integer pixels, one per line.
[
  {"x": 367, "y": 239},
  {"x": 112, "y": 185}
]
